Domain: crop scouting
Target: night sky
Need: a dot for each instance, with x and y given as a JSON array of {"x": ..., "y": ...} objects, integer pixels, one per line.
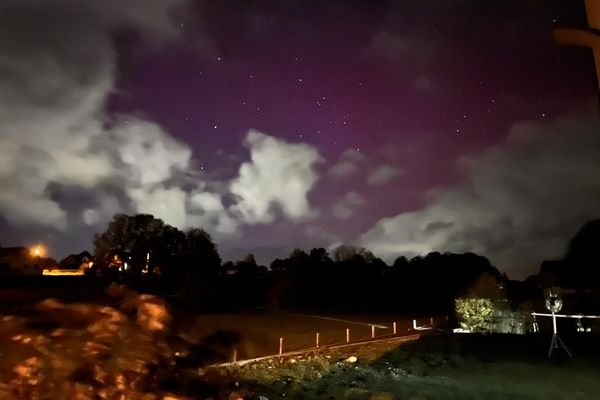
[{"x": 403, "y": 127}]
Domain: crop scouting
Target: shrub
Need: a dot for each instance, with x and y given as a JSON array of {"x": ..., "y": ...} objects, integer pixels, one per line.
[
  {"x": 487, "y": 315},
  {"x": 473, "y": 313}
]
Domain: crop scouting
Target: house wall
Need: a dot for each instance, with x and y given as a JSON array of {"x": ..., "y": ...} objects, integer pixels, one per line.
[{"x": 20, "y": 263}]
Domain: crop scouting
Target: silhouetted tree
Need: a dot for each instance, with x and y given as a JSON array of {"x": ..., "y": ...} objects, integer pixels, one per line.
[
  {"x": 299, "y": 263},
  {"x": 202, "y": 252},
  {"x": 202, "y": 262},
  {"x": 486, "y": 286},
  {"x": 319, "y": 255},
  {"x": 346, "y": 252},
  {"x": 368, "y": 256},
  {"x": 242, "y": 287},
  {"x": 581, "y": 268},
  {"x": 250, "y": 259},
  {"x": 401, "y": 263},
  {"x": 130, "y": 238},
  {"x": 156, "y": 251},
  {"x": 278, "y": 265}
]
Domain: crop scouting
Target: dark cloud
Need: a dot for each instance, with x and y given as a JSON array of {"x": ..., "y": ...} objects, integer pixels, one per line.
[
  {"x": 521, "y": 203},
  {"x": 113, "y": 105},
  {"x": 56, "y": 71},
  {"x": 438, "y": 225},
  {"x": 70, "y": 164}
]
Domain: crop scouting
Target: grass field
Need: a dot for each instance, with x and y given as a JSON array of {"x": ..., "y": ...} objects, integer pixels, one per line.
[
  {"x": 435, "y": 367},
  {"x": 259, "y": 332},
  {"x": 255, "y": 333}
]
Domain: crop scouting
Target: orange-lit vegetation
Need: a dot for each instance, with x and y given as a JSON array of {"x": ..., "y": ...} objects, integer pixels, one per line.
[{"x": 86, "y": 351}]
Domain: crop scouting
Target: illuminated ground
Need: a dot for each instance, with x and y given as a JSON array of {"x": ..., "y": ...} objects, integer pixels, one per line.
[
  {"x": 439, "y": 367},
  {"x": 260, "y": 331}
]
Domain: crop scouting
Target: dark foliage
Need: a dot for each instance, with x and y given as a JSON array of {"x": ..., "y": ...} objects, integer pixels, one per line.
[
  {"x": 188, "y": 264},
  {"x": 359, "y": 280},
  {"x": 582, "y": 261},
  {"x": 145, "y": 252}
]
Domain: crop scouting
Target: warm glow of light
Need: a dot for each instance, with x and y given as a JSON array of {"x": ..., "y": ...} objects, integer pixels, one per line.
[
  {"x": 37, "y": 251},
  {"x": 62, "y": 272}
]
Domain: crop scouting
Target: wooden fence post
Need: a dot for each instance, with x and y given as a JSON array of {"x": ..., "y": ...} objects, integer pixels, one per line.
[
  {"x": 347, "y": 335},
  {"x": 280, "y": 345},
  {"x": 395, "y": 331},
  {"x": 372, "y": 331},
  {"x": 317, "y": 339},
  {"x": 234, "y": 354}
]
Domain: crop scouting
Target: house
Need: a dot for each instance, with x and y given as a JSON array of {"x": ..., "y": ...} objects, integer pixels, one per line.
[
  {"x": 83, "y": 261},
  {"x": 72, "y": 265},
  {"x": 21, "y": 261}
]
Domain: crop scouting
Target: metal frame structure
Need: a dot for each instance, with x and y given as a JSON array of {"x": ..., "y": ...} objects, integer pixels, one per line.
[{"x": 556, "y": 341}]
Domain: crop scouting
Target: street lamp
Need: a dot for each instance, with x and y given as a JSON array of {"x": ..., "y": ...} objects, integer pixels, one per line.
[{"x": 37, "y": 251}]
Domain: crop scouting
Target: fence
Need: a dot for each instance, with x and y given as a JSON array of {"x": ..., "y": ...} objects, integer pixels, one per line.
[{"x": 359, "y": 333}]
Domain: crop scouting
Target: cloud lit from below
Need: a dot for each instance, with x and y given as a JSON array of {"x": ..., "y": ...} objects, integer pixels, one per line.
[
  {"x": 69, "y": 162},
  {"x": 129, "y": 107},
  {"x": 521, "y": 203},
  {"x": 279, "y": 174}
]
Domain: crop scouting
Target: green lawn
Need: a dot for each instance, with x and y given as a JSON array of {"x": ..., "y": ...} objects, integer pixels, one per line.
[{"x": 436, "y": 367}]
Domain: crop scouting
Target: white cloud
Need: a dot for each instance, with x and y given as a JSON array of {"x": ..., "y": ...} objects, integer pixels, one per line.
[
  {"x": 347, "y": 206},
  {"x": 90, "y": 216},
  {"x": 209, "y": 202},
  {"x": 349, "y": 162},
  {"x": 58, "y": 68},
  {"x": 206, "y": 209},
  {"x": 166, "y": 204},
  {"x": 522, "y": 202},
  {"x": 279, "y": 174},
  {"x": 108, "y": 207},
  {"x": 67, "y": 164},
  {"x": 149, "y": 154},
  {"x": 383, "y": 174}
]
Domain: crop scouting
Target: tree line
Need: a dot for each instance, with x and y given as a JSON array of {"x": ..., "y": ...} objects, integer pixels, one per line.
[{"x": 148, "y": 254}]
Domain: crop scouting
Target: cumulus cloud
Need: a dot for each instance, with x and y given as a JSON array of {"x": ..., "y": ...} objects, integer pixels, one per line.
[
  {"x": 383, "y": 174},
  {"x": 56, "y": 71},
  {"x": 65, "y": 160},
  {"x": 165, "y": 203},
  {"x": 346, "y": 207},
  {"x": 207, "y": 209},
  {"x": 349, "y": 162},
  {"x": 140, "y": 144},
  {"x": 521, "y": 203},
  {"x": 279, "y": 175}
]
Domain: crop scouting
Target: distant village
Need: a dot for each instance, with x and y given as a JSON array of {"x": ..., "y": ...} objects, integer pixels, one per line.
[{"x": 23, "y": 261}]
